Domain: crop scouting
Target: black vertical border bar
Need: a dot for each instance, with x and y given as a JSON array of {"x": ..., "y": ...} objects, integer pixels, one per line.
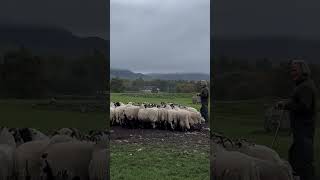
[
  {"x": 107, "y": 99},
  {"x": 211, "y": 117},
  {"x": 211, "y": 65},
  {"x": 108, "y": 63}
]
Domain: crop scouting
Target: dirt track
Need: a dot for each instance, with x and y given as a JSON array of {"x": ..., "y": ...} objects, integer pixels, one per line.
[{"x": 196, "y": 139}]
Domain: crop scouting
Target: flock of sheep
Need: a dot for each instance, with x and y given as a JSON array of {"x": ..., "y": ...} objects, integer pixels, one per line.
[
  {"x": 28, "y": 154},
  {"x": 239, "y": 159},
  {"x": 164, "y": 116}
]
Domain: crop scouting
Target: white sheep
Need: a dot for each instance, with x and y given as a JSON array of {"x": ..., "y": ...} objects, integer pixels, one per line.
[
  {"x": 37, "y": 135},
  {"x": 153, "y": 115},
  {"x": 27, "y": 159},
  {"x": 232, "y": 165},
  {"x": 27, "y": 155},
  {"x": 236, "y": 165},
  {"x": 191, "y": 109},
  {"x": 262, "y": 152},
  {"x": 7, "y": 148},
  {"x": 98, "y": 167},
  {"x": 162, "y": 115},
  {"x": 229, "y": 161},
  {"x": 112, "y": 115},
  {"x": 61, "y": 138},
  {"x": 65, "y": 131},
  {"x": 119, "y": 114},
  {"x": 131, "y": 112},
  {"x": 142, "y": 114},
  {"x": 17, "y": 136},
  {"x": 72, "y": 158},
  {"x": 168, "y": 115},
  {"x": 6, "y": 138},
  {"x": 184, "y": 118},
  {"x": 258, "y": 151},
  {"x": 172, "y": 117},
  {"x": 195, "y": 117},
  {"x": 149, "y": 115}
]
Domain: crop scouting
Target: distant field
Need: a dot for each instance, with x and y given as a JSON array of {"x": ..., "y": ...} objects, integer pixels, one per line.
[
  {"x": 180, "y": 98},
  {"x": 19, "y": 113},
  {"x": 166, "y": 161},
  {"x": 245, "y": 119}
]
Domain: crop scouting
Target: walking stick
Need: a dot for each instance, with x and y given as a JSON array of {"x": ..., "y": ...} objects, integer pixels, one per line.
[{"x": 277, "y": 130}]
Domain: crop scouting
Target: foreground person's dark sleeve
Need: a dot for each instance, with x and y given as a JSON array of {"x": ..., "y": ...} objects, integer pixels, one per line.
[
  {"x": 204, "y": 93},
  {"x": 304, "y": 100}
]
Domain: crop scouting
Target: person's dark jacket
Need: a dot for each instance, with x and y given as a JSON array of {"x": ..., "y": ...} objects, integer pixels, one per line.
[
  {"x": 302, "y": 106},
  {"x": 204, "y": 95}
]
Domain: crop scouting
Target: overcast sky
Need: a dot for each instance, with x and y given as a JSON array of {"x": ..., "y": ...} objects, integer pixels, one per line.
[
  {"x": 82, "y": 17},
  {"x": 166, "y": 36},
  {"x": 299, "y": 18}
]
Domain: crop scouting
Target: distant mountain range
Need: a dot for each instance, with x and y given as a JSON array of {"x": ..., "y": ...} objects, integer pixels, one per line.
[
  {"x": 127, "y": 74},
  {"x": 45, "y": 40},
  {"x": 274, "y": 48},
  {"x": 49, "y": 40}
]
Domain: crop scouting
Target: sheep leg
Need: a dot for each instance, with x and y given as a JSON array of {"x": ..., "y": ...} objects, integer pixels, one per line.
[
  {"x": 153, "y": 125},
  {"x": 187, "y": 126},
  {"x": 165, "y": 125},
  {"x": 122, "y": 122},
  {"x": 171, "y": 126},
  {"x": 136, "y": 123}
]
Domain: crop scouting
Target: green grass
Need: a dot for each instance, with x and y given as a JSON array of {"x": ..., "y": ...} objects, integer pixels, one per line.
[
  {"x": 157, "y": 162},
  {"x": 183, "y": 99},
  {"x": 245, "y": 119},
  {"x": 19, "y": 113}
]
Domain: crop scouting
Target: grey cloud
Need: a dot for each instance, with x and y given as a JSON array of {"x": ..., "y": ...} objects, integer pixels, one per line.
[
  {"x": 83, "y": 17},
  {"x": 269, "y": 17},
  {"x": 160, "y": 35}
]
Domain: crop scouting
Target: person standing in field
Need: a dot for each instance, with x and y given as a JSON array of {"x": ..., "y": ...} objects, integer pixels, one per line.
[
  {"x": 302, "y": 107},
  {"x": 204, "y": 97}
]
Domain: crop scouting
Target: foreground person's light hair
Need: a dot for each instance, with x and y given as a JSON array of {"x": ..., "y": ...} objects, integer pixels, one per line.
[{"x": 305, "y": 70}]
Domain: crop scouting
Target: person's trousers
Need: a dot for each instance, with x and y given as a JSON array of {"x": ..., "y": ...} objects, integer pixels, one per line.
[
  {"x": 301, "y": 157},
  {"x": 204, "y": 111}
]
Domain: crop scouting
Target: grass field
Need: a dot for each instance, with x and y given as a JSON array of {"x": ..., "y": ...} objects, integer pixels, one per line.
[
  {"x": 158, "y": 163},
  {"x": 165, "y": 161},
  {"x": 245, "y": 119},
  {"x": 19, "y": 113},
  {"x": 182, "y": 98}
]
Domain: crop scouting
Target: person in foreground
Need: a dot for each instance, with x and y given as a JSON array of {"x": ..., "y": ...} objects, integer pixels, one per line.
[
  {"x": 302, "y": 107},
  {"x": 204, "y": 96}
]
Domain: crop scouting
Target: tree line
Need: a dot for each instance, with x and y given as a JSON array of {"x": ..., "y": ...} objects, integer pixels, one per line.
[
  {"x": 118, "y": 85},
  {"x": 237, "y": 79},
  {"x": 26, "y": 75},
  {"x": 233, "y": 79}
]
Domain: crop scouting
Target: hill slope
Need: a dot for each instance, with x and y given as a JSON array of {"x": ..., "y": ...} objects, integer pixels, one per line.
[
  {"x": 276, "y": 48},
  {"x": 49, "y": 40},
  {"x": 127, "y": 74}
]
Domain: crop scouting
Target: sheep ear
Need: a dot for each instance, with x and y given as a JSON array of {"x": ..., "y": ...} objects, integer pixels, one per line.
[
  {"x": 240, "y": 144},
  {"x": 44, "y": 155},
  {"x": 90, "y": 132},
  {"x": 73, "y": 134},
  {"x": 102, "y": 144}
]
